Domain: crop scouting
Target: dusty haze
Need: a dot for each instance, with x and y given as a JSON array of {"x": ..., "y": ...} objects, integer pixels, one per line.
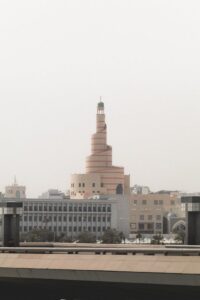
[{"x": 58, "y": 57}]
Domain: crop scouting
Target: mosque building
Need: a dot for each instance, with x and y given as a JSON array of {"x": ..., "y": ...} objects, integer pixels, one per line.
[{"x": 101, "y": 176}]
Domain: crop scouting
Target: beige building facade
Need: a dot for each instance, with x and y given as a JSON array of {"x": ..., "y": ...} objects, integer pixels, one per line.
[
  {"x": 101, "y": 176},
  {"x": 148, "y": 212}
]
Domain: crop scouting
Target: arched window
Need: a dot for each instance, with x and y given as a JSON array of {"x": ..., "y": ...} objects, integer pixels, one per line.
[{"x": 119, "y": 189}]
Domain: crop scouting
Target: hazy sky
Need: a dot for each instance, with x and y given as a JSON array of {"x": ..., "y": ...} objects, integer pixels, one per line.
[{"x": 56, "y": 59}]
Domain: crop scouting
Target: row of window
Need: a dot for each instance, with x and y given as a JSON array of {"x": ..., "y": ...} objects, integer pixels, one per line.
[
  {"x": 71, "y": 208},
  {"x": 67, "y": 229},
  {"x": 150, "y": 217},
  {"x": 83, "y": 184},
  {"x": 156, "y": 202},
  {"x": 64, "y": 218},
  {"x": 150, "y": 226}
]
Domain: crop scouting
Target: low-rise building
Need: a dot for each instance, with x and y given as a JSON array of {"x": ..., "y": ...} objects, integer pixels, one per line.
[
  {"x": 73, "y": 216},
  {"x": 148, "y": 212}
]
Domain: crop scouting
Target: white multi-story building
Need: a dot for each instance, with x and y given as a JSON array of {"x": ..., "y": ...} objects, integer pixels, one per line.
[{"x": 73, "y": 216}]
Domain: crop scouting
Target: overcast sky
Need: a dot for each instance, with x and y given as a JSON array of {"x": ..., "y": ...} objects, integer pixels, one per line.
[{"x": 58, "y": 56}]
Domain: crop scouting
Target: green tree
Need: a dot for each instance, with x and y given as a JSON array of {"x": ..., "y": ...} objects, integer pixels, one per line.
[
  {"x": 157, "y": 238},
  {"x": 112, "y": 236},
  {"x": 86, "y": 237},
  {"x": 139, "y": 236},
  {"x": 38, "y": 235},
  {"x": 180, "y": 236}
]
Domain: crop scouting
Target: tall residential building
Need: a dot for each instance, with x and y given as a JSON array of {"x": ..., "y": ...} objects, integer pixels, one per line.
[{"x": 101, "y": 176}]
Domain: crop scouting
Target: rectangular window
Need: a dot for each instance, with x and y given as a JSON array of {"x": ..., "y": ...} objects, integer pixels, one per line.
[
  {"x": 25, "y": 218},
  {"x": 141, "y": 217},
  {"x": 155, "y": 202},
  {"x": 35, "y": 218},
  {"x": 35, "y": 208},
  {"x": 80, "y": 208},
  {"x": 80, "y": 218},
  {"x": 158, "y": 226},
  {"x": 30, "y": 218},
  {"x": 45, "y": 208},
  {"x": 89, "y": 219},
  {"x": 60, "y": 218},
  {"x": 160, "y": 202},
  {"x": 135, "y": 201},
  {"x": 30, "y": 208},
  {"x": 75, "y": 218},
  {"x": 55, "y": 218},
  {"x": 93, "y": 185},
  {"x": 40, "y": 207},
  {"x": 150, "y": 226},
  {"x": 94, "y": 208},
  {"x": 70, "y": 218},
  {"x": 150, "y": 217},
  {"x": 94, "y": 219},
  {"x": 60, "y": 208},
  {"x": 141, "y": 226},
  {"x": 158, "y": 217},
  {"x": 144, "y": 202}
]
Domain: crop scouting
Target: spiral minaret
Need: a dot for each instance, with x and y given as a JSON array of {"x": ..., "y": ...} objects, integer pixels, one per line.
[{"x": 101, "y": 177}]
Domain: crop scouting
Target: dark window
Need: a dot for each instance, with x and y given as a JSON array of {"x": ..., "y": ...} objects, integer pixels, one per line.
[
  {"x": 25, "y": 228},
  {"x": 135, "y": 202},
  {"x": 94, "y": 219},
  {"x": 50, "y": 208},
  {"x": 160, "y": 202},
  {"x": 84, "y": 208},
  {"x": 30, "y": 228},
  {"x": 70, "y": 228},
  {"x": 104, "y": 208},
  {"x": 99, "y": 228},
  {"x": 40, "y": 218},
  {"x": 60, "y": 228},
  {"x": 83, "y": 185},
  {"x": 79, "y": 229},
  {"x": 108, "y": 209},
  {"x": 60, "y": 208},
  {"x": 75, "y": 208},
  {"x": 156, "y": 202},
  {"x": 150, "y": 226},
  {"x": 158, "y": 225},
  {"x": 60, "y": 218},
  {"x": 94, "y": 228},
  {"x": 144, "y": 202},
  {"x": 89, "y": 208},
  {"x": 93, "y": 185},
  {"x": 55, "y": 208},
  {"x": 40, "y": 207},
  {"x": 141, "y": 226},
  {"x": 104, "y": 219},
  {"x": 55, "y": 218},
  {"x": 102, "y": 184},
  {"x": 35, "y": 207},
  {"x": 75, "y": 218},
  {"x": 79, "y": 184},
  {"x": 65, "y": 208},
  {"x": 70, "y": 218},
  {"x": 45, "y": 208},
  {"x": 79, "y": 218},
  {"x": 89, "y": 219},
  {"x": 25, "y": 218},
  {"x": 75, "y": 228},
  {"x": 108, "y": 219},
  {"x": 25, "y": 208},
  {"x": 65, "y": 218},
  {"x": 30, "y": 208},
  {"x": 89, "y": 228},
  {"x": 99, "y": 208},
  {"x": 30, "y": 218},
  {"x": 99, "y": 219},
  {"x": 70, "y": 208},
  {"x": 94, "y": 208},
  {"x": 35, "y": 218},
  {"x": 142, "y": 217},
  {"x": 80, "y": 208}
]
